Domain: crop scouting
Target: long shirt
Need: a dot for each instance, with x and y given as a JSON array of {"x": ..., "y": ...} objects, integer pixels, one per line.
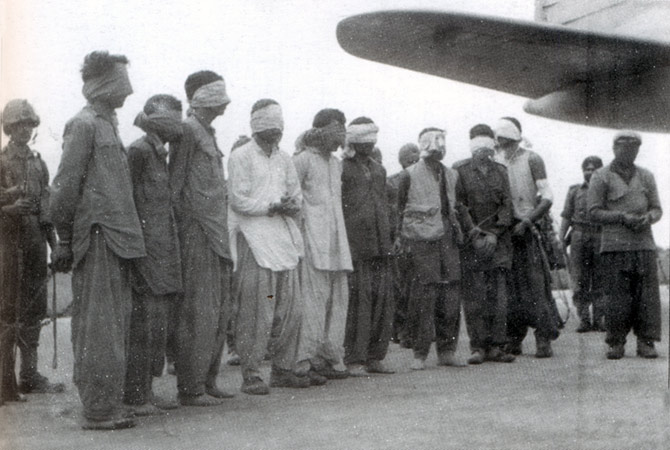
[
  {"x": 198, "y": 183},
  {"x": 609, "y": 197},
  {"x": 320, "y": 176},
  {"x": 365, "y": 208},
  {"x": 92, "y": 187},
  {"x": 258, "y": 180},
  {"x": 485, "y": 193},
  {"x": 161, "y": 268}
]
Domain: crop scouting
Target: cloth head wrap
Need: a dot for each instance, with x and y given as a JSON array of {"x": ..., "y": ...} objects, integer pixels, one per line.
[
  {"x": 362, "y": 133},
  {"x": 164, "y": 123},
  {"x": 112, "y": 82},
  {"x": 267, "y": 118},
  {"x": 506, "y": 129},
  {"x": 359, "y": 133},
  {"x": 482, "y": 142},
  {"x": 210, "y": 95},
  {"x": 16, "y": 111},
  {"x": 432, "y": 142}
]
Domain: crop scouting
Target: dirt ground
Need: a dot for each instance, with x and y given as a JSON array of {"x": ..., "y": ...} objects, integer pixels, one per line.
[{"x": 576, "y": 400}]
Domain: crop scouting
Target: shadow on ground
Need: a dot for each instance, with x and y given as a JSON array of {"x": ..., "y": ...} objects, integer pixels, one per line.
[{"x": 576, "y": 400}]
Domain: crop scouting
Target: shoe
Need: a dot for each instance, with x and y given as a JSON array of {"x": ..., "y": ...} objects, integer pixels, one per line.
[
  {"x": 332, "y": 374},
  {"x": 147, "y": 409},
  {"x": 449, "y": 359},
  {"x": 234, "y": 360},
  {"x": 39, "y": 384},
  {"x": 199, "y": 400},
  {"x": 418, "y": 364},
  {"x": 476, "y": 358},
  {"x": 16, "y": 397},
  {"x": 255, "y": 386},
  {"x": 164, "y": 403},
  {"x": 376, "y": 366},
  {"x": 543, "y": 349},
  {"x": 357, "y": 370},
  {"x": 315, "y": 379},
  {"x": 515, "y": 348},
  {"x": 615, "y": 351},
  {"x": 584, "y": 327},
  {"x": 115, "y": 424},
  {"x": 497, "y": 354},
  {"x": 287, "y": 379},
  {"x": 218, "y": 393},
  {"x": 645, "y": 349}
]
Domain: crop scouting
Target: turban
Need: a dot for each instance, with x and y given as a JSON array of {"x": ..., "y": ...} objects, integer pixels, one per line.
[
  {"x": 17, "y": 111},
  {"x": 267, "y": 118},
  {"x": 506, "y": 129},
  {"x": 362, "y": 133},
  {"x": 481, "y": 142},
  {"x": 163, "y": 122},
  {"x": 432, "y": 140},
  {"x": 210, "y": 95},
  {"x": 359, "y": 133},
  {"x": 112, "y": 82}
]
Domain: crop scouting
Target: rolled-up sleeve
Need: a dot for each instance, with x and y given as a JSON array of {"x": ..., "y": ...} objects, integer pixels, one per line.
[{"x": 78, "y": 141}]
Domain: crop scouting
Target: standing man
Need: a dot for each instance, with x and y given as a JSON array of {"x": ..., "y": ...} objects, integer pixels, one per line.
[
  {"x": 487, "y": 256},
  {"x": 407, "y": 155},
  {"x": 623, "y": 198},
  {"x": 583, "y": 236},
  {"x": 94, "y": 213},
  {"x": 156, "y": 277},
  {"x": 530, "y": 290},
  {"x": 369, "y": 323},
  {"x": 327, "y": 258},
  {"x": 24, "y": 232},
  {"x": 267, "y": 246},
  {"x": 431, "y": 233},
  {"x": 200, "y": 203}
]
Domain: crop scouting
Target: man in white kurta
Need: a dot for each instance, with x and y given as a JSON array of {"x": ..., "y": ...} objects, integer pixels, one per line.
[
  {"x": 327, "y": 258},
  {"x": 266, "y": 247}
]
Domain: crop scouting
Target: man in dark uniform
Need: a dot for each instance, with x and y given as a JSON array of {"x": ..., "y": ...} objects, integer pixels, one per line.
[
  {"x": 157, "y": 277},
  {"x": 24, "y": 232},
  {"x": 487, "y": 256},
  {"x": 431, "y": 233},
  {"x": 583, "y": 237},
  {"x": 370, "y": 312},
  {"x": 623, "y": 198}
]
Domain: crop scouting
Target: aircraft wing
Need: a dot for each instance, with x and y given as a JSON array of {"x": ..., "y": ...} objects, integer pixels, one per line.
[{"x": 519, "y": 57}]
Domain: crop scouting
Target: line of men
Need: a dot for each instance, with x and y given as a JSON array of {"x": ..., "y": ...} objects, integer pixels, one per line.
[{"x": 301, "y": 257}]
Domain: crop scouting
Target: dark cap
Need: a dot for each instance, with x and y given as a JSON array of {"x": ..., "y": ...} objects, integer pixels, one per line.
[{"x": 627, "y": 135}]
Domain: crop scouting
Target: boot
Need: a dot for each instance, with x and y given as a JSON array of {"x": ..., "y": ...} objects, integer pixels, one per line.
[
  {"x": 616, "y": 351},
  {"x": 543, "y": 348},
  {"x": 645, "y": 349},
  {"x": 584, "y": 326},
  {"x": 476, "y": 358},
  {"x": 449, "y": 358},
  {"x": 497, "y": 354},
  {"x": 514, "y": 348},
  {"x": 39, "y": 384}
]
